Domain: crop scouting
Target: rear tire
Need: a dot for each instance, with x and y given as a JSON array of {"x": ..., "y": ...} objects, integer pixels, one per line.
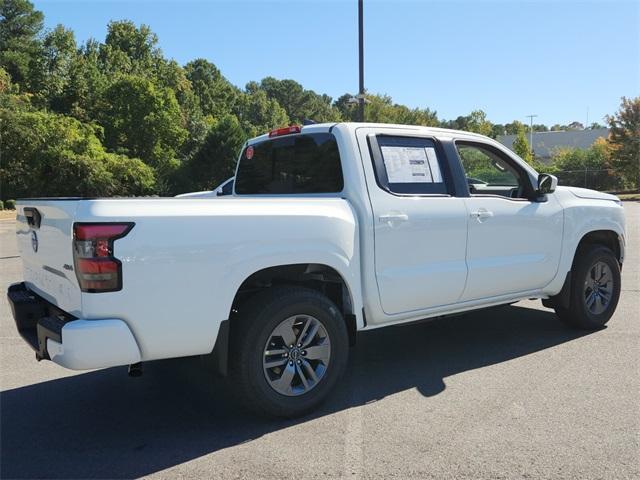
[
  {"x": 288, "y": 349},
  {"x": 595, "y": 289}
]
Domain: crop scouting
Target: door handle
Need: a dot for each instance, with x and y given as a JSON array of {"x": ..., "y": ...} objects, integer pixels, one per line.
[
  {"x": 481, "y": 214},
  {"x": 393, "y": 218}
]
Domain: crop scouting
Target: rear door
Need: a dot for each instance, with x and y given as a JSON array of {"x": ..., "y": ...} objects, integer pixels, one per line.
[
  {"x": 420, "y": 228},
  {"x": 44, "y": 232}
]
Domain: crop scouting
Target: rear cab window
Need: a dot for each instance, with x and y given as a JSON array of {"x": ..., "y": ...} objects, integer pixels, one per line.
[{"x": 292, "y": 164}]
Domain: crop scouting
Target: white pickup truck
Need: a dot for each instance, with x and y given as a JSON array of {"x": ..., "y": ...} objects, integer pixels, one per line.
[{"x": 331, "y": 229}]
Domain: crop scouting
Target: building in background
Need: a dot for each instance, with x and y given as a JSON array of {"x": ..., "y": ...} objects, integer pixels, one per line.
[{"x": 544, "y": 143}]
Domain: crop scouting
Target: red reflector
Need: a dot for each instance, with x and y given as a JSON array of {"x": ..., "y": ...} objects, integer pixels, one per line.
[
  {"x": 100, "y": 230},
  {"x": 98, "y": 274},
  {"x": 91, "y": 266},
  {"x": 285, "y": 131}
]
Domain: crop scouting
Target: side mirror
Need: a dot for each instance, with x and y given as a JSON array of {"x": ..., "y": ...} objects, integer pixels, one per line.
[
  {"x": 547, "y": 183},
  {"x": 219, "y": 192}
]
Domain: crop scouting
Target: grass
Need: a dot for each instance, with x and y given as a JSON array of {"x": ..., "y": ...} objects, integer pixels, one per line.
[
  {"x": 4, "y": 214},
  {"x": 629, "y": 196}
]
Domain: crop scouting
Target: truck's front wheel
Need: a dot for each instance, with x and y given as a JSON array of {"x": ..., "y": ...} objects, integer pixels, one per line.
[
  {"x": 595, "y": 288},
  {"x": 289, "y": 347}
]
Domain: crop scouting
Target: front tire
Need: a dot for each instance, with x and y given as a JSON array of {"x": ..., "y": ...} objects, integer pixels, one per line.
[
  {"x": 595, "y": 289},
  {"x": 289, "y": 347}
]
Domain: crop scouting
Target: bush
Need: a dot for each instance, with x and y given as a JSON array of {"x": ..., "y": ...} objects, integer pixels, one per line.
[
  {"x": 130, "y": 176},
  {"x": 53, "y": 155},
  {"x": 10, "y": 204},
  {"x": 1, "y": 205},
  {"x": 588, "y": 168},
  {"x": 215, "y": 161}
]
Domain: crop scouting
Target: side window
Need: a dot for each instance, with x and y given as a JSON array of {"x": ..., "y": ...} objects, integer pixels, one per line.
[
  {"x": 227, "y": 188},
  {"x": 408, "y": 165},
  {"x": 489, "y": 173}
]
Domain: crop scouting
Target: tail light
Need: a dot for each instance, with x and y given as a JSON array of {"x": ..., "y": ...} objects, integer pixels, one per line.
[{"x": 97, "y": 269}]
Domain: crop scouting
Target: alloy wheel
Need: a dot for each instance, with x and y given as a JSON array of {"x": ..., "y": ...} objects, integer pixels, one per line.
[
  {"x": 598, "y": 288},
  {"x": 296, "y": 355}
]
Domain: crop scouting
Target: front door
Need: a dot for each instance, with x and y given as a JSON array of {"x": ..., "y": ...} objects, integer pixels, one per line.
[{"x": 514, "y": 241}]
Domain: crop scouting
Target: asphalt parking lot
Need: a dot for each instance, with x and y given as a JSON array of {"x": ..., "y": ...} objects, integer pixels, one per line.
[{"x": 502, "y": 393}]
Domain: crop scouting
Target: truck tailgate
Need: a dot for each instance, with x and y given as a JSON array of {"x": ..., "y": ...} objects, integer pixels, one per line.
[{"x": 45, "y": 241}]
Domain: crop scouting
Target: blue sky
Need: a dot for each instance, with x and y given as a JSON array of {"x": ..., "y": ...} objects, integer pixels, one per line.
[{"x": 555, "y": 59}]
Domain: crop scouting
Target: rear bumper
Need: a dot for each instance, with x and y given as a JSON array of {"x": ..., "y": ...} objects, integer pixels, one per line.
[{"x": 74, "y": 343}]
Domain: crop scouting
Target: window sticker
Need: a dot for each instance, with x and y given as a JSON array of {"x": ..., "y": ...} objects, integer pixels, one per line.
[
  {"x": 411, "y": 164},
  {"x": 436, "y": 174}
]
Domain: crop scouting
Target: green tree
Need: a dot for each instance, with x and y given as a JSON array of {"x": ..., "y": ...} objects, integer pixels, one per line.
[
  {"x": 299, "y": 104},
  {"x": 590, "y": 168},
  {"x": 20, "y": 47},
  {"x": 175, "y": 78},
  {"x": 416, "y": 116},
  {"x": 475, "y": 122},
  {"x": 478, "y": 123},
  {"x": 129, "y": 176},
  {"x": 142, "y": 120},
  {"x": 514, "y": 127},
  {"x": 258, "y": 113},
  {"x": 460, "y": 123},
  {"x": 381, "y": 109},
  {"x": 521, "y": 146},
  {"x": 578, "y": 159},
  {"x": 624, "y": 137},
  {"x": 497, "y": 130},
  {"x": 130, "y": 49},
  {"x": 10, "y": 96},
  {"x": 217, "y": 157},
  {"x": 216, "y": 95},
  {"x": 51, "y": 80},
  {"x": 46, "y": 154},
  {"x": 86, "y": 84},
  {"x": 346, "y": 106}
]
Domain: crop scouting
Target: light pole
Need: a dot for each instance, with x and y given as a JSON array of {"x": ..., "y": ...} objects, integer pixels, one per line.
[{"x": 361, "y": 61}]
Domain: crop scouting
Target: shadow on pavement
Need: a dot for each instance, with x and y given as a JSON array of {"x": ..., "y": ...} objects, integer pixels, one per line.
[{"x": 103, "y": 424}]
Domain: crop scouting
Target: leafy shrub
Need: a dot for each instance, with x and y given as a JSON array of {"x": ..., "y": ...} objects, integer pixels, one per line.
[
  {"x": 589, "y": 168},
  {"x": 130, "y": 176},
  {"x": 55, "y": 155},
  {"x": 1, "y": 205},
  {"x": 10, "y": 204}
]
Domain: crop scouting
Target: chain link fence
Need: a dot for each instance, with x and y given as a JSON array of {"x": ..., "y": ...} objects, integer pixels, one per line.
[{"x": 602, "y": 180}]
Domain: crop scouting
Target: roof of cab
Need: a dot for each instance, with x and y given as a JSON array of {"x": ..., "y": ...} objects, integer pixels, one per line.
[{"x": 323, "y": 127}]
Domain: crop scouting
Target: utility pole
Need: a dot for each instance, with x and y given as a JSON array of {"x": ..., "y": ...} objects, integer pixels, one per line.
[
  {"x": 361, "y": 61},
  {"x": 586, "y": 125},
  {"x": 531, "y": 117}
]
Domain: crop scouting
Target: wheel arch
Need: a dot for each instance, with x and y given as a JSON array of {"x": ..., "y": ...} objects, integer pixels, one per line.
[
  {"x": 608, "y": 238},
  {"x": 605, "y": 237},
  {"x": 316, "y": 276}
]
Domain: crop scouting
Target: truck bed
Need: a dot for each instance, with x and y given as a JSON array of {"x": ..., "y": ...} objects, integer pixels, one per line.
[{"x": 183, "y": 260}]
